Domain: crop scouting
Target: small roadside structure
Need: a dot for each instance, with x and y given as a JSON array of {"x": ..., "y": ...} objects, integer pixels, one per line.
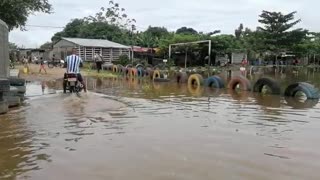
[
  {"x": 87, "y": 48},
  {"x": 10, "y": 96}
]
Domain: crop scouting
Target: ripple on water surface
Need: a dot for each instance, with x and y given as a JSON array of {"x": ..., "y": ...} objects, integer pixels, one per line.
[{"x": 131, "y": 133}]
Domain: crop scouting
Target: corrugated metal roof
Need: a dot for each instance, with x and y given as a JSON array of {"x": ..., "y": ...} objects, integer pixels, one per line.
[{"x": 95, "y": 43}]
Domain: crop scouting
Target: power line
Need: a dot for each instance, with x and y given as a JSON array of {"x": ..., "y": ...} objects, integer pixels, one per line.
[
  {"x": 59, "y": 27},
  {"x": 41, "y": 26}
]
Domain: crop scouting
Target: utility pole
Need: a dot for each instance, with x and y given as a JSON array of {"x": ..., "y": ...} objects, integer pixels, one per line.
[{"x": 132, "y": 53}]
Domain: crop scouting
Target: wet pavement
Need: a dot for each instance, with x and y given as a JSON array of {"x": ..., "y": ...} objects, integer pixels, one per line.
[{"x": 136, "y": 129}]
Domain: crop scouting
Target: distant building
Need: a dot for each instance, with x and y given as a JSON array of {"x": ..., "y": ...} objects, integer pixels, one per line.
[
  {"x": 87, "y": 48},
  {"x": 29, "y": 53},
  {"x": 237, "y": 57},
  {"x": 147, "y": 54}
]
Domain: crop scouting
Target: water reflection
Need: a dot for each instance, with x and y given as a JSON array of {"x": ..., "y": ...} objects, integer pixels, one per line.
[
  {"x": 268, "y": 100},
  {"x": 20, "y": 149},
  {"x": 239, "y": 95},
  {"x": 168, "y": 128},
  {"x": 301, "y": 104}
]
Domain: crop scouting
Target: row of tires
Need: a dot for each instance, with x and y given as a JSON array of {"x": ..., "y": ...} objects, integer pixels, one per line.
[
  {"x": 12, "y": 93},
  {"x": 240, "y": 82},
  {"x": 244, "y": 84},
  {"x": 137, "y": 71}
]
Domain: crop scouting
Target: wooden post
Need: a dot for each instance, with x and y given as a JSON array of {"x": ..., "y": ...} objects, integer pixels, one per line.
[
  {"x": 111, "y": 54},
  {"x": 170, "y": 52},
  {"x": 209, "y": 63}
]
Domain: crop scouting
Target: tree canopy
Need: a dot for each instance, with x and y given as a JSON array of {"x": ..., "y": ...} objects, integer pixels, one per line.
[
  {"x": 277, "y": 29},
  {"x": 186, "y": 30},
  {"x": 16, "y": 12},
  {"x": 276, "y": 33}
]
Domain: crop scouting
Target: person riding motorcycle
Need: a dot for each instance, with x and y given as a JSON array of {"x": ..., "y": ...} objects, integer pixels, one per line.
[{"x": 73, "y": 63}]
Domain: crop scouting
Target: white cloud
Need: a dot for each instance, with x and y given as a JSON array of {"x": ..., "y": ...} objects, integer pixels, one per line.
[{"x": 202, "y": 15}]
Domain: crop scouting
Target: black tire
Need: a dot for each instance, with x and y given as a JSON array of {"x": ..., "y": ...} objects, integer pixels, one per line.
[
  {"x": 272, "y": 84},
  {"x": 4, "y": 85},
  {"x": 309, "y": 90},
  {"x": 17, "y": 82}
]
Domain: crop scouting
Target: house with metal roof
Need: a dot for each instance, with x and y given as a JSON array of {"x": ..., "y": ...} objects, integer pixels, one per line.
[{"x": 87, "y": 48}]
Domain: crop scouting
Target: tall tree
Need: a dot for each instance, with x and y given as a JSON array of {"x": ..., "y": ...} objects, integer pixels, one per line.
[
  {"x": 239, "y": 32},
  {"x": 158, "y": 32},
  {"x": 115, "y": 15},
  {"x": 186, "y": 30},
  {"x": 146, "y": 39},
  {"x": 110, "y": 23},
  {"x": 277, "y": 28},
  {"x": 16, "y": 12},
  {"x": 72, "y": 29}
]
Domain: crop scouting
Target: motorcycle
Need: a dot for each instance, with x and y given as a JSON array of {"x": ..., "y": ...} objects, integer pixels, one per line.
[
  {"x": 52, "y": 64},
  {"x": 72, "y": 83}
]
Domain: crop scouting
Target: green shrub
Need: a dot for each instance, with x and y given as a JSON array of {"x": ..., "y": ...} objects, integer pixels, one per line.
[{"x": 124, "y": 59}]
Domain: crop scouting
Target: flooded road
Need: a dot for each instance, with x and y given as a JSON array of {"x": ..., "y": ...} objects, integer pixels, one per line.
[{"x": 135, "y": 129}]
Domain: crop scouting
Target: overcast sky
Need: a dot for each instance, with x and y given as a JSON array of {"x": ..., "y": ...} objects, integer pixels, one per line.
[{"x": 202, "y": 15}]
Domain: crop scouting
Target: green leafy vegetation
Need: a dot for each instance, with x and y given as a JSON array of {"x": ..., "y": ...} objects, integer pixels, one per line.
[{"x": 276, "y": 33}]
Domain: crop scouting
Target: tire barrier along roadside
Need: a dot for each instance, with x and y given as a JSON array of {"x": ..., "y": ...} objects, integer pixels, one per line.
[
  {"x": 273, "y": 85},
  {"x": 309, "y": 90},
  {"x": 140, "y": 72},
  {"x": 122, "y": 70},
  {"x": 214, "y": 82},
  {"x": 244, "y": 83},
  {"x": 115, "y": 69},
  {"x": 195, "y": 80},
  {"x": 182, "y": 77},
  {"x": 133, "y": 72},
  {"x": 156, "y": 74}
]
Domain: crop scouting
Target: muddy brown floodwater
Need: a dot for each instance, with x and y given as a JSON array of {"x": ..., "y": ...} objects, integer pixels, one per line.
[{"x": 135, "y": 129}]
